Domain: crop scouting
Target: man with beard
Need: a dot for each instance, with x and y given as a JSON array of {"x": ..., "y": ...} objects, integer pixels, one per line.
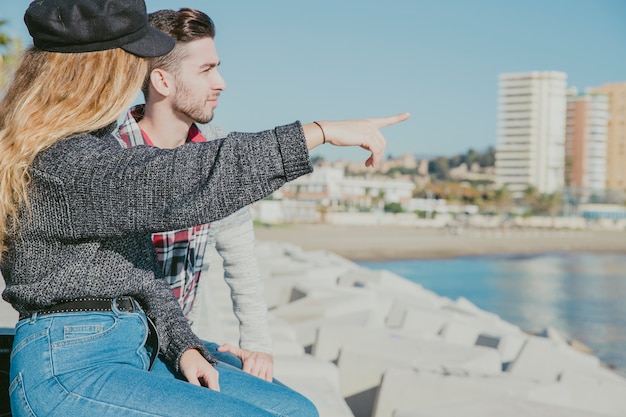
[{"x": 181, "y": 92}]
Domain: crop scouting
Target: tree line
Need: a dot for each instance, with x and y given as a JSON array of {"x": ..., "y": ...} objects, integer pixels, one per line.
[{"x": 439, "y": 167}]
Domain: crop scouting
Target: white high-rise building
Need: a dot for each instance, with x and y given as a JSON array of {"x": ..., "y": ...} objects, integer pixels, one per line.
[{"x": 530, "y": 146}]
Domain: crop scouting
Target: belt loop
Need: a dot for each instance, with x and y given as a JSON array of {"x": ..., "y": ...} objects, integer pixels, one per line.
[
  {"x": 33, "y": 318},
  {"x": 136, "y": 304},
  {"x": 114, "y": 307}
]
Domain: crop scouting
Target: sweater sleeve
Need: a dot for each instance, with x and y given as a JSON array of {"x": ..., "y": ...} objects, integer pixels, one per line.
[
  {"x": 235, "y": 244},
  {"x": 113, "y": 191}
]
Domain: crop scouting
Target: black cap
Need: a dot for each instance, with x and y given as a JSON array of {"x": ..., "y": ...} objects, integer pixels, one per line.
[{"x": 95, "y": 25}]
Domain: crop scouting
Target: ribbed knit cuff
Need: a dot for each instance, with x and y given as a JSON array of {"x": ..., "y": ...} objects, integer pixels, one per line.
[
  {"x": 294, "y": 151},
  {"x": 176, "y": 352}
]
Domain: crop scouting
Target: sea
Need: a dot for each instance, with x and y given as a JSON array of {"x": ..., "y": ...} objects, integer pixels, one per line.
[{"x": 581, "y": 295}]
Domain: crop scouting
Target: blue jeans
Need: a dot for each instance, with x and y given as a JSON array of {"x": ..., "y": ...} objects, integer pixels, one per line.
[{"x": 95, "y": 364}]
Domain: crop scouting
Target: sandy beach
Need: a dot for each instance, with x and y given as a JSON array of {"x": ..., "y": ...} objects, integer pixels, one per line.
[{"x": 378, "y": 243}]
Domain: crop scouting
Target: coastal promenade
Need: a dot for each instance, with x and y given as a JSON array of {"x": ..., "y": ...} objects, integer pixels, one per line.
[
  {"x": 380, "y": 243},
  {"x": 363, "y": 343}
]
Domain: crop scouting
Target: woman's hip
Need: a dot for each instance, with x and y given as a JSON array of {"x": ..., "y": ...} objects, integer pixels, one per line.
[{"x": 59, "y": 354}]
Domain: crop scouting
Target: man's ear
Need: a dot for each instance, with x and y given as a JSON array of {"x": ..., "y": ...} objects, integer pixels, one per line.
[{"x": 161, "y": 81}]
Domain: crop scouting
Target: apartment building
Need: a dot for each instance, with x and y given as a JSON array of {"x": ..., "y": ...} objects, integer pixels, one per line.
[
  {"x": 530, "y": 147},
  {"x": 586, "y": 144},
  {"x": 616, "y": 135}
]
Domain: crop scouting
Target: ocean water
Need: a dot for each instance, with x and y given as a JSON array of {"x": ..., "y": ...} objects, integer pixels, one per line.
[{"x": 583, "y": 296}]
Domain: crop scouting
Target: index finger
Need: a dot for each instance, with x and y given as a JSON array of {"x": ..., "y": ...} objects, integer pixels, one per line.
[
  {"x": 192, "y": 379},
  {"x": 390, "y": 120},
  {"x": 212, "y": 380}
]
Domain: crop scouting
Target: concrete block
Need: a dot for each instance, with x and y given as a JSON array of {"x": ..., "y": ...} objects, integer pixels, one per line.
[
  {"x": 363, "y": 277},
  {"x": 462, "y": 328},
  {"x": 406, "y": 388},
  {"x": 544, "y": 360},
  {"x": 550, "y": 393},
  {"x": 296, "y": 252},
  {"x": 284, "y": 338},
  {"x": 463, "y": 309},
  {"x": 323, "y": 274},
  {"x": 317, "y": 380},
  {"x": 416, "y": 319},
  {"x": 466, "y": 309},
  {"x": 8, "y": 315},
  {"x": 279, "y": 287},
  {"x": 412, "y": 393},
  {"x": 591, "y": 393},
  {"x": 465, "y": 306},
  {"x": 278, "y": 290},
  {"x": 492, "y": 407},
  {"x": 508, "y": 345},
  {"x": 553, "y": 335},
  {"x": 363, "y": 360},
  {"x": 280, "y": 266},
  {"x": 331, "y": 337},
  {"x": 329, "y": 305},
  {"x": 416, "y": 314},
  {"x": 322, "y": 258},
  {"x": 460, "y": 333},
  {"x": 472, "y": 327},
  {"x": 269, "y": 250}
]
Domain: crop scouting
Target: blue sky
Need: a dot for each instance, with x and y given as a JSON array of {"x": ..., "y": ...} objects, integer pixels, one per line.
[{"x": 438, "y": 59}]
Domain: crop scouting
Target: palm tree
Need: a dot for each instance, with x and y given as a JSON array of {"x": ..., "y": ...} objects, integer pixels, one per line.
[
  {"x": 503, "y": 199},
  {"x": 10, "y": 48},
  {"x": 542, "y": 203},
  {"x": 4, "y": 38}
]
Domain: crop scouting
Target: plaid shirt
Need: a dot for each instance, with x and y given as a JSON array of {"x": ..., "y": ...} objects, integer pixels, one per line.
[{"x": 180, "y": 252}]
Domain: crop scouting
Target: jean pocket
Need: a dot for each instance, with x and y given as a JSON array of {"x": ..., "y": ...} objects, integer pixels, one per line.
[
  {"x": 91, "y": 340},
  {"x": 19, "y": 403},
  {"x": 89, "y": 329}
]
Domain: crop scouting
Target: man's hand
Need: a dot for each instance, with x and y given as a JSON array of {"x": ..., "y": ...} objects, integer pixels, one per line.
[
  {"x": 198, "y": 370},
  {"x": 258, "y": 364},
  {"x": 364, "y": 133}
]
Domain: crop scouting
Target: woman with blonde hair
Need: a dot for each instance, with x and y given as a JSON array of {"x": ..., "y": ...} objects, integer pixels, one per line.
[{"x": 75, "y": 247}]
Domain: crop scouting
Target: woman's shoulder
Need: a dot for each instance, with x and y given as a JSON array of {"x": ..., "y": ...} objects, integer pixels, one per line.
[{"x": 75, "y": 150}]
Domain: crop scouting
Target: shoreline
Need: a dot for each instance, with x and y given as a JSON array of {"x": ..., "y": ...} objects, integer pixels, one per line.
[{"x": 388, "y": 243}]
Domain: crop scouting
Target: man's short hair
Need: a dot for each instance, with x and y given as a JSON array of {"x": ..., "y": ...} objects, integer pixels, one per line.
[{"x": 184, "y": 26}]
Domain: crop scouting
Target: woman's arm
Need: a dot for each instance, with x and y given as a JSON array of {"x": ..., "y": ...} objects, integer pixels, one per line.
[{"x": 115, "y": 191}]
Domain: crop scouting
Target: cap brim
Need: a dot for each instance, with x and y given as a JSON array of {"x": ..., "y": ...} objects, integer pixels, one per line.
[{"x": 152, "y": 44}]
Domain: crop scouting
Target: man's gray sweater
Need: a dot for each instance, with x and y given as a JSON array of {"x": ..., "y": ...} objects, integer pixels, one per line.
[{"x": 93, "y": 206}]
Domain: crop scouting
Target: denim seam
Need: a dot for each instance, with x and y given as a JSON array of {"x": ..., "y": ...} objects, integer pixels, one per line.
[
  {"x": 18, "y": 384},
  {"x": 141, "y": 350},
  {"x": 30, "y": 339}
]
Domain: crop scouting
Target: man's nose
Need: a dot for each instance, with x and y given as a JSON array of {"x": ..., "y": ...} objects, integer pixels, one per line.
[{"x": 218, "y": 83}]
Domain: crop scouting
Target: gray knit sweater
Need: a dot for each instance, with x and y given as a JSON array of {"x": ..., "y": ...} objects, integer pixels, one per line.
[{"x": 93, "y": 206}]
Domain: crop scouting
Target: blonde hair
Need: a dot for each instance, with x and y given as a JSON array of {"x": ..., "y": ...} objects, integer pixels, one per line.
[{"x": 52, "y": 96}]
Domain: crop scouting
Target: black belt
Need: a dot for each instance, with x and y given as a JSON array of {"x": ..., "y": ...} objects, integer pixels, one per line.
[{"x": 91, "y": 304}]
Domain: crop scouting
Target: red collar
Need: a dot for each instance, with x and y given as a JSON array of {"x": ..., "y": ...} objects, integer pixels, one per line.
[{"x": 193, "y": 135}]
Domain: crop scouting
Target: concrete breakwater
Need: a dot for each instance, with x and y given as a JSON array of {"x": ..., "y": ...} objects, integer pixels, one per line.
[{"x": 367, "y": 343}]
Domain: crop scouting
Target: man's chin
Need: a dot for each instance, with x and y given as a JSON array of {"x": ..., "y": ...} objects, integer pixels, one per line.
[{"x": 204, "y": 120}]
